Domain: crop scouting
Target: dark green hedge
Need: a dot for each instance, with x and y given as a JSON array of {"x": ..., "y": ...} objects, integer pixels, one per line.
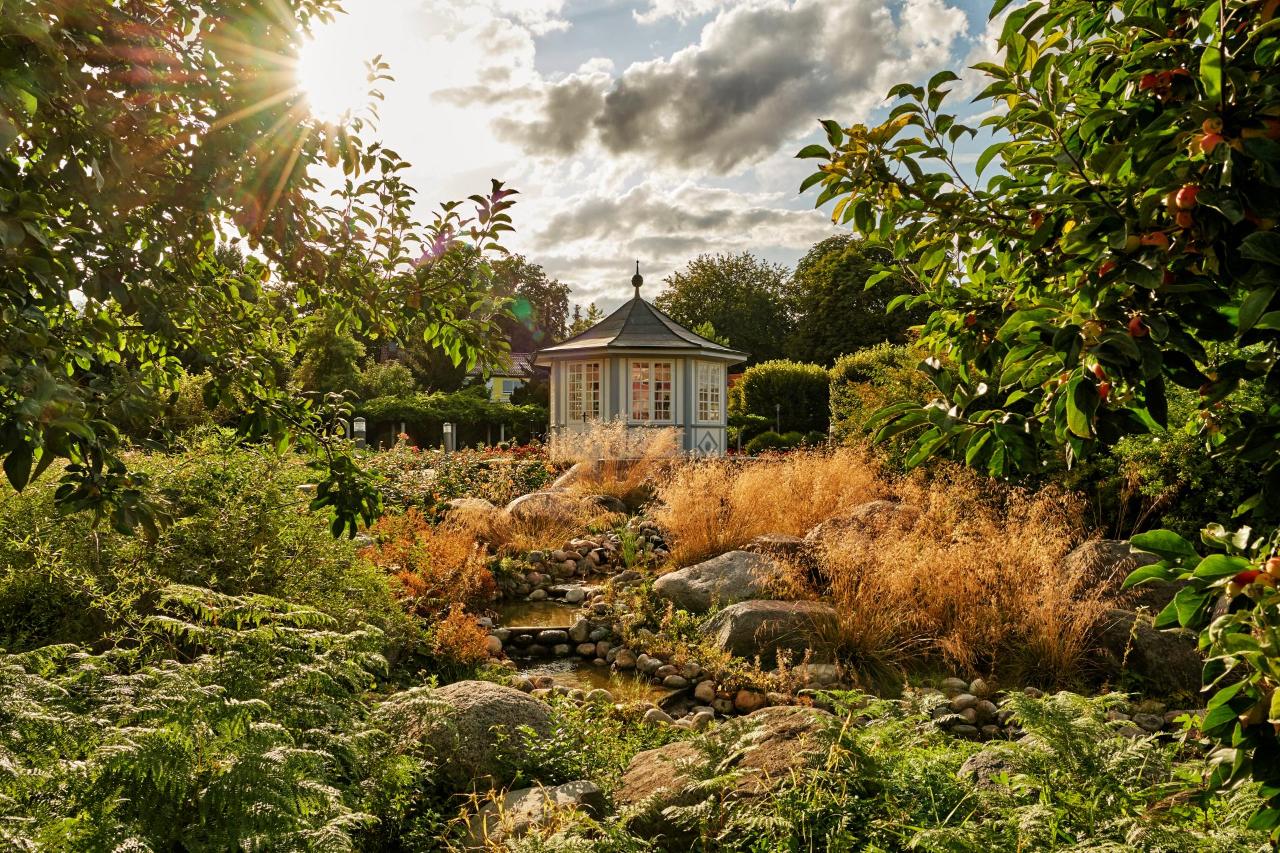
[{"x": 793, "y": 392}]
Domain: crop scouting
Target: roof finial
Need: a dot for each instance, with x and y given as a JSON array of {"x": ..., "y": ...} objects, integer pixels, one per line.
[{"x": 637, "y": 280}]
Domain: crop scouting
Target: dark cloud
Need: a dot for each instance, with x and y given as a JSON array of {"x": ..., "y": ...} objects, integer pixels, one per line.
[{"x": 760, "y": 75}]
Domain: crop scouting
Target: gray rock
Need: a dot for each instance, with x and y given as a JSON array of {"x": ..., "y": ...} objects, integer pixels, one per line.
[
  {"x": 773, "y": 745},
  {"x": 586, "y": 650},
  {"x": 580, "y": 630},
  {"x": 675, "y": 682},
  {"x": 493, "y": 646},
  {"x": 726, "y": 579},
  {"x": 656, "y": 715},
  {"x": 876, "y": 517},
  {"x": 574, "y": 595},
  {"x": 705, "y": 692},
  {"x": 518, "y": 811},
  {"x": 470, "y": 726},
  {"x": 648, "y": 664},
  {"x": 1165, "y": 662},
  {"x": 1148, "y": 722},
  {"x": 764, "y": 628},
  {"x": 468, "y": 505},
  {"x": 561, "y": 649},
  {"x": 538, "y": 595},
  {"x": 625, "y": 659},
  {"x": 952, "y": 687},
  {"x": 552, "y": 637},
  {"x": 545, "y": 507}
]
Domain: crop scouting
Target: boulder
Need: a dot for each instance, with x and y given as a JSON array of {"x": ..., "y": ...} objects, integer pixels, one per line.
[
  {"x": 1166, "y": 663},
  {"x": 761, "y": 628},
  {"x": 985, "y": 767},
  {"x": 475, "y": 726},
  {"x": 553, "y": 507},
  {"x": 726, "y": 579},
  {"x": 781, "y": 546},
  {"x": 1105, "y": 563},
  {"x": 876, "y": 517},
  {"x": 468, "y": 505},
  {"x": 518, "y": 811},
  {"x": 771, "y": 744}
]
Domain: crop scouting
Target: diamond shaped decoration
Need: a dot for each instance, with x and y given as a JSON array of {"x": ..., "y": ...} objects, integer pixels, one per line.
[{"x": 708, "y": 445}]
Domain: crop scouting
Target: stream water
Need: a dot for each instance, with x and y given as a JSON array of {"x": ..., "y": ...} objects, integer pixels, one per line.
[
  {"x": 571, "y": 672},
  {"x": 536, "y": 614}
]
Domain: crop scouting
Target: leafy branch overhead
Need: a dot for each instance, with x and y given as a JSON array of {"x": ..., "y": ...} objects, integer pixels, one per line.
[
  {"x": 1120, "y": 234},
  {"x": 138, "y": 144}
]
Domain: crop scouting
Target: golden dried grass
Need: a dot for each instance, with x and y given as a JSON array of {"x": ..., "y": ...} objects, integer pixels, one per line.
[
  {"x": 716, "y": 505},
  {"x": 617, "y": 460},
  {"x": 972, "y": 580}
]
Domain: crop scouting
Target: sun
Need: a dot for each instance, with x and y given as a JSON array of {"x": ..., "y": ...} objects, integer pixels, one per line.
[{"x": 331, "y": 72}]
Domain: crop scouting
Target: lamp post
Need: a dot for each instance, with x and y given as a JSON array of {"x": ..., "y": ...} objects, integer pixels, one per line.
[
  {"x": 448, "y": 438},
  {"x": 360, "y": 425},
  {"x": 777, "y": 418}
]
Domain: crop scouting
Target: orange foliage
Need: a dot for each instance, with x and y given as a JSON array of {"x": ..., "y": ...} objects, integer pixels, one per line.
[
  {"x": 432, "y": 568},
  {"x": 459, "y": 640}
]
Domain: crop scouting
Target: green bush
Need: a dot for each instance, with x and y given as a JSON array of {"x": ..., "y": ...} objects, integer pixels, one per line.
[
  {"x": 765, "y": 441},
  {"x": 791, "y": 393},
  {"x": 743, "y": 427},
  {"x": 1165, "y": 479},
  {"x": 238, "y": 525},
  {"x": 870, "y": 379},
  {"x": 386, "y": 379}
]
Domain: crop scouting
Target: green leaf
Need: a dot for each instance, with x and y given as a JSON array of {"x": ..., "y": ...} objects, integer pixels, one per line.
[
  {"x": 1188, "y": 604},
  {"x": 1219, "y": 716},
  {"x": 944, "y": 76},
  {"x": 1211, "y": 73},
  {"x": 17, "y": 467},
  {"x": 1082, "y": 402},
  {"x": 989, "y": 154},
  {"x": 813, "y": 151},
  {"x": 1165, "y": 544},
  {"x": 1216, "y": 566},
  {"x": 1155, "y": 571},
  {"x": 1253, "y": 307},
  {"x": 1261, "y": 246}
]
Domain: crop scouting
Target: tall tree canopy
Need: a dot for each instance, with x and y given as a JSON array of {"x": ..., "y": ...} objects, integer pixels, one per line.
[
  {"x": 134, "y": 139},
  {"x": 539, "y": 304},
  {"x": 742, "y": 296},
  {"x": 836, "y": 313}
]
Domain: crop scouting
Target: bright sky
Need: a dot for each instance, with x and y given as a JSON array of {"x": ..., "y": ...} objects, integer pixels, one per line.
[{"x": 651, "y": 129}]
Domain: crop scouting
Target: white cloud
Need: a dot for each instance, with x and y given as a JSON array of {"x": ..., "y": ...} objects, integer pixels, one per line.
[{"x": 757, "y": 78}]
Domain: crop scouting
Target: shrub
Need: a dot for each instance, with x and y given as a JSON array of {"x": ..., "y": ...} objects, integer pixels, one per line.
[
  {"x": 867, "y": 380},
  {"x": 766, "y": 441},
  {"x": 787, "y": 391},
  {"x": 238, "y": 526},
  {"x": 457, "y": 641},
  {"x": 743, "y": 427},
  {"x": 386, "y": 379},
  {"x": 428, "y": 479},
  {"x": 434, "y": 567}
]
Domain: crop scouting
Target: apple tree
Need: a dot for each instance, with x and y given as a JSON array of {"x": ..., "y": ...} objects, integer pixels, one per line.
[{"x": 139, "y": 142}]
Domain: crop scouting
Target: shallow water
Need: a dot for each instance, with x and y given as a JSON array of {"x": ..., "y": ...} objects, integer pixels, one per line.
[
  {"x": 582, "y": 675},
  {"x": 536, "y": 614}
]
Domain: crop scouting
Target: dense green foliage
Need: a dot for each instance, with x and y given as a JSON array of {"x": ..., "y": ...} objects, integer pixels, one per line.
[
  {"x": 137, "y": 141},
  {"x": 1130, "y": 232},
  {"x": 866, "y": 381},
  {"x": 238, "y": 525},
  {"x": 539, "y": 304},
  {"x": 835, "y": 312},
  {"x": 471, "y": 408},
  {"x": 496, "y": 476},
  {"x": 743, "y": 297},
  {"x": 791, "y": 395}
]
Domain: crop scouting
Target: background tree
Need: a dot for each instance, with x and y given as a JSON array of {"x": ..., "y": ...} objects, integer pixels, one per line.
[
  {"x": 708, "y": 331},
  {"x": 581, "y": 322},
  {"x": 329, "y": 356},
  {"x": 539, "y": 304},
  {"x": 137, "y": 138},
  {"x": 742, "y": 296},
  {"x": 835, "y": 312}
]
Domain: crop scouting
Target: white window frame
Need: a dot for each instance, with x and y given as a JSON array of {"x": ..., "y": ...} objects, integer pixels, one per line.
[
  {"x": 708, "y": 376},
  {"x": 651, "y": 391},
  {"x": 591, "y": 403}
]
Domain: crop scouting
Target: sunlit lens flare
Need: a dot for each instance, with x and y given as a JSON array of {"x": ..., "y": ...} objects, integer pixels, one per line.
[{"x": 332, "y": 74}]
